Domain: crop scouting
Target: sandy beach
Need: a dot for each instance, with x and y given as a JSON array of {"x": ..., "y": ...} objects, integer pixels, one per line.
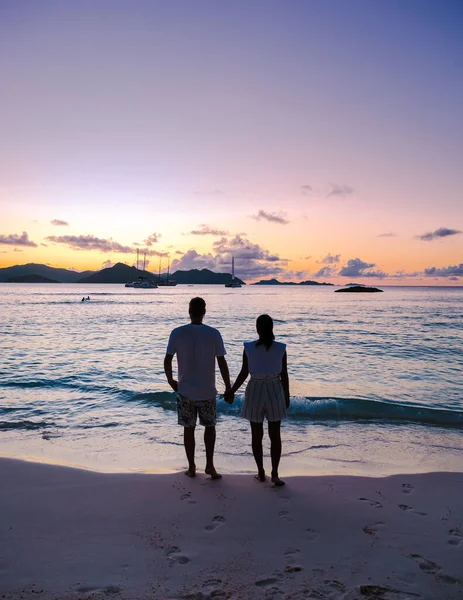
[{"x": 69, "y": 533}]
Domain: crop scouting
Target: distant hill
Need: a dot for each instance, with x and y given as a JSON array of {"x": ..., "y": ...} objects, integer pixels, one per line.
[
  {"x": 276, "y": 282},
  {"x": 60, "y": 275},
  {"x": 31, "y": 279},
  {"x": 203, "y": 276},
  {"x": 119, "y": 273}
]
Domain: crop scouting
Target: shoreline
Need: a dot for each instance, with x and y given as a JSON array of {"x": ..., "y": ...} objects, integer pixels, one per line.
[{"x": 73, "y": 533}]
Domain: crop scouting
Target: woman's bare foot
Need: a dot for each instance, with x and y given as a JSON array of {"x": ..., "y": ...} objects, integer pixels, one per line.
[
  {"x": 191, "y": 472},
  {"x": 213, "y": 473},
  {"x": 260, "y": 475},
  {"x": 277, "y": 481}
]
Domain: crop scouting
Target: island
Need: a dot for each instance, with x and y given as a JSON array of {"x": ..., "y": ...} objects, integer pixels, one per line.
[
  {"x": 276, "y": 282},
  {"x": 359, "y": 288},
  {"x": 33, "y": 278}
]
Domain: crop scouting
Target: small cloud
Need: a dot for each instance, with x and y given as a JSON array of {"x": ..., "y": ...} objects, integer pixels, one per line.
[
  {"x": 207, "y": 230},
  {"x": 107, "y": 264},
  {"x": 59, "y": 223},
  {"x": 152, "y": 239},
  {"x": 213, "y": 192},
  {"x": 438, "y": 233},
  {"x": 90, "y": 242},
  {"x": 330, "y": 259},
  {"x": 340, "y": 190},
  {"x": 14, "y": 239},
  {"x": 17, "y": 250},
  {"x": 306, "y": 257},
  {"x": 279, "y": 218},
  {"x": 451, "y": 271},
  {"x": 387, "y": 235},
  {"x": 178, "y": 252},
  {"x": 45, "y": 245},
  {"x": 358, "y": 268},
  {"x": 306, "y": 189}
]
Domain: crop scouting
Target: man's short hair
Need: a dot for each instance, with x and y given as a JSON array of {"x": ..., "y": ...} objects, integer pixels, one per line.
[{"x": 197, "y": 307}]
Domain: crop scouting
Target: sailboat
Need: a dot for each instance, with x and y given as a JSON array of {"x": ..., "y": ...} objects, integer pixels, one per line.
[
  {"x": 233, "y": 283},
  {"x": 142, "y": 282},
  {"x": 166, "y": 282}
]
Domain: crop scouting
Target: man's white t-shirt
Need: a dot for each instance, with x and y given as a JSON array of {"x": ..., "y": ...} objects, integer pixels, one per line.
[{"x": 196, "y": 347}]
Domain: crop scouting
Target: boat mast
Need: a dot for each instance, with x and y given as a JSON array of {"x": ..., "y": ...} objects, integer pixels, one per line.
[
  {"x": 159, "y": 272},
  {"x": 233, "y": 268},
  {"x": 137, "y": 259},
  {"x": 168, "y": 269},
  {"x": 144, "y": 261}
]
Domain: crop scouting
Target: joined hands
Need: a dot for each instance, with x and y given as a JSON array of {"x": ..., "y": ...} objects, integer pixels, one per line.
[{"x": 229, "y": 396}]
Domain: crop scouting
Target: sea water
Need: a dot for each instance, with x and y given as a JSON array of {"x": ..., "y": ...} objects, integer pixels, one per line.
[{"x": 376, "y": 379}]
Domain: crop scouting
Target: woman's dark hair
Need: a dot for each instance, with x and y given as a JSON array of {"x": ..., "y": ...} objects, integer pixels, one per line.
[{"x": 264, "y": 326}]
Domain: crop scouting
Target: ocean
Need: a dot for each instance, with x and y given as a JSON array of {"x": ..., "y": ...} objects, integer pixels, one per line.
[{"x": 376, "y": 379}]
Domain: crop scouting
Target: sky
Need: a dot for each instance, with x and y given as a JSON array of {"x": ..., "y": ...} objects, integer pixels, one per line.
[{"x": 309, "y": 140}]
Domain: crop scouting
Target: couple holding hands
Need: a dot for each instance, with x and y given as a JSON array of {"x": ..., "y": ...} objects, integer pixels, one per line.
[{"x": 197, "y": 347}]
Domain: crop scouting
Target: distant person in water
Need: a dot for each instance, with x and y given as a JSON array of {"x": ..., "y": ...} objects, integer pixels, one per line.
[
  {"x": 267, "y": 393},
  {"x": 197, "y": 346}
]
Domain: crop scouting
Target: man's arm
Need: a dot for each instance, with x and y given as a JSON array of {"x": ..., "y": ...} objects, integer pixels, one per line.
[
  {"x": 223, "y": 366},
  {"x": 242, "y": 374},
  {"x": 168, "y": 371},
  {"x": 285, "y": 379}
]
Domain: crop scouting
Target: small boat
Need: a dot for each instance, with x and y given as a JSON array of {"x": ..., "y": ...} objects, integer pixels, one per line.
[
  {"x": 233, "y": 283},
  {"x": 142, "y": 282}
]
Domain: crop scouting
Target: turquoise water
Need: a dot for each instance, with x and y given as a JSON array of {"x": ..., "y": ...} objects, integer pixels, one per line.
[{"x": 376, "y": 380}]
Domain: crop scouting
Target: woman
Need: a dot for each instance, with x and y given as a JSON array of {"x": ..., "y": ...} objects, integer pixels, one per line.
[{"x": 267, "y": 393}]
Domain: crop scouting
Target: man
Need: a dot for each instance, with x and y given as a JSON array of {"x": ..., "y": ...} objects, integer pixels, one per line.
[{"x": 197, "y": 346}]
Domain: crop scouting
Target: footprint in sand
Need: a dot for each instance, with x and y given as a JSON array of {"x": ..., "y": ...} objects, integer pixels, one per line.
[
  {"x": 412, "y": 510},
  {"x": 176, "y": 556},
  {"x": 432, "y": 568},
  {"x": 187, "y": 496},
  {"x": 372, "y": 529},
  {"x": 456, "y": 537},
  {"x": 285, "y": 515},
  {"x": 378, "y": 591},
  {"x": 217, "y": 521},
  {"x": 93, "y": 589},
  {"x": 291, "y": 555},
  {"x": 407, "y": 488},
  {"x": 372, "y": 503},
  {"x": 311, "y": 534}
]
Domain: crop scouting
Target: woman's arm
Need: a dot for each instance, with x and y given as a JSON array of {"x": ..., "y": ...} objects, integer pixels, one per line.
[
  {"x": 242, "y": 374},
  {"x": 285, "y": 379}
]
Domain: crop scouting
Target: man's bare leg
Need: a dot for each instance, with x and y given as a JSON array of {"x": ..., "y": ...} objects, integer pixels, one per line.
[
  {"x": 209, "y": 442},
  {"x": 189, "y": 443}
]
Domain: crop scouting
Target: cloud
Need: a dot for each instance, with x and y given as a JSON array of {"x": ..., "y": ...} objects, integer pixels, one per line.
[
  {"x": 213, "y": 192},
  {"x": 306, "y": 257},
  {"x": 387, "y": 235},
  {"x": 90, "y": 242},
  {"x": 451, "y": 271},
  {"x": 279, "y": 218},
  {"x": 192, "y": 260},
  {"x": 251, "y": 260},
  {"x": 107, "y": 264},
  {"x": 325, "y": 272},
  {"x": 207, "y": 230},
  {"x": 330, "y": 259},
  {"x": 59, "y": 223},
  {"x": 152, "y": 239},
  {"x": 358, "y": 268},
  {"x": 340, "y": 190},
  {"x": 438, "y": 233},
  {"x": 17, "y": 250},
  {"x": 305, "y": 189},
  {"x": 14, "y": 239}
]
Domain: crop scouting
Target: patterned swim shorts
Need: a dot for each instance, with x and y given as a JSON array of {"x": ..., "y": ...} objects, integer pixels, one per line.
[{"x": 188, "y": 411}]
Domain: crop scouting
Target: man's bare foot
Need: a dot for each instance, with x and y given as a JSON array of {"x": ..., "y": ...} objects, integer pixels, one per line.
[
  {"x": 260, "y": 475},
  {"x": 191, "y": 472},
  {"x": 213, "y": 473},
  {"x": 277, "y": 481}
]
